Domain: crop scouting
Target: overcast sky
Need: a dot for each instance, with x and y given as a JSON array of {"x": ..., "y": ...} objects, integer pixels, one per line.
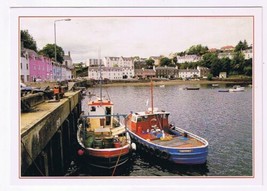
[{"x": 137, "y": 36}]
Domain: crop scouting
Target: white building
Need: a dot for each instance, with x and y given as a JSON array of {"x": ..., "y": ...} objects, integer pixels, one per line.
[
  {"x": 248, "y": 53},
  {"x": 111, "y": 73},
  {"x": 200, "y": 72},
  {"x": 188, "y": 58},
  {"x": 68, "y": 60},
  {"x": 229, "y": 55},
  {"x": 188, "y": 73},
  {"x": 24, "y": 67},
  {"x": 118, "y": 62}
]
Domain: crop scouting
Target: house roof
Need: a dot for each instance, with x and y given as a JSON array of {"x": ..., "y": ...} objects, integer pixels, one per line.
[{"x": 228, "y": 47}]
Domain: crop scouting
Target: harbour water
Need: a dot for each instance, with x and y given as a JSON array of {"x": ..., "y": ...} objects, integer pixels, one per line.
[{"x": 224, "y": 119}]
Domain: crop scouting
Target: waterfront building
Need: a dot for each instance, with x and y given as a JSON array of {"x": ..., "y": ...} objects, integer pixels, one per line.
[
  {"x": 223, "y": 75},
  {"x": 111, "y": 73},
  {"x": 167, "y": 72},
  {"x": 145, "y": 73},
  {"x": 56, "y": 71},
  {"x": 24, "y": 67},
  {"x": 39, "y": 67},
  {"x": 199, "y": 72}
]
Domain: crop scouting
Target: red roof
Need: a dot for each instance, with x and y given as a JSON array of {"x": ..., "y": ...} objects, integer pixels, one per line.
[{"x": 229, "y": 47}]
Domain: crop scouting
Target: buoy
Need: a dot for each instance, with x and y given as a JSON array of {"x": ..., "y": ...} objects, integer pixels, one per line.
[
  {"x": 133, "y": 145},
  {"x": 80, "y": 152}
]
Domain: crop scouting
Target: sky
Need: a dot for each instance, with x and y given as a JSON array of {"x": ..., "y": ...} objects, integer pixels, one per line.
[{"x": 136, "y": 36}]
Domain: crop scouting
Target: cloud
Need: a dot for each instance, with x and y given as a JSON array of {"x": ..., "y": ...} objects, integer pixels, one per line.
[{"x": 138, "y": 36}]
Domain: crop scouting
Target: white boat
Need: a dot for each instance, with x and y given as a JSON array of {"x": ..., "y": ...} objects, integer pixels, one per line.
[{"x": 237, "y": 88}]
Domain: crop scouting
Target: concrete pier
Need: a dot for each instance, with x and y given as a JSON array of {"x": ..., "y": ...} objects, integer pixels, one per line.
[{"x": 47, "y": 135}]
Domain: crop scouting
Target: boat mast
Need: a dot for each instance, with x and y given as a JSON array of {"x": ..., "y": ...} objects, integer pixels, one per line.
[
  {"x": 151, "y": 92},
  {"x": 100, "y": 74}
]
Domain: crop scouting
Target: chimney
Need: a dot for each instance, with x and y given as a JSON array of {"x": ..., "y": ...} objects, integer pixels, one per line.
[{"x": 69, "y": 53}]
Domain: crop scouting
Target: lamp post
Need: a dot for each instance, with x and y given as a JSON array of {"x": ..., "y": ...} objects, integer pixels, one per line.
[{"x": 56, "y": 35}]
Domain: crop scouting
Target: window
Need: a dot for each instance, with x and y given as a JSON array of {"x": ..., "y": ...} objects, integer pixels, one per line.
[
  {"x": 21, "y": 65},
  {"x": 93, "y": 109},
  {"x": 27, "y": 66}
]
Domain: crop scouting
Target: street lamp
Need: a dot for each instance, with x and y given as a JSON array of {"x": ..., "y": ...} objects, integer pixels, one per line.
[{"x": 56, "y": 35}]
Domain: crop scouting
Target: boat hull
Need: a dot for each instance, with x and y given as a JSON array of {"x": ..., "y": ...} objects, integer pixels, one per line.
[
  {"x": 188, "y": 156},
  {"x": 105, "y": 158}
]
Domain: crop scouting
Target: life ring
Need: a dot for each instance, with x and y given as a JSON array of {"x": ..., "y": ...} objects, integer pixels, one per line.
[
  {"x": 153, "y": 122},
  {"x": 164, "y": 155}
]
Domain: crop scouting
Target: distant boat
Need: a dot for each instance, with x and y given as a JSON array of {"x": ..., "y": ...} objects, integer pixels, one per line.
[
  {"x": 152, "y": 133},
  {"x": 215, "y": 85},
  {"x": 237, "y": 88},
  {"x": 162, "y": 86},
  {"x": 223, "y": 90},
  {"x": 191, "y": 88}
]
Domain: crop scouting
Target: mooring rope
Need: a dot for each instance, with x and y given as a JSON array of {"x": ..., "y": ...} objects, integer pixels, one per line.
[{"x": 116, "y": 163}]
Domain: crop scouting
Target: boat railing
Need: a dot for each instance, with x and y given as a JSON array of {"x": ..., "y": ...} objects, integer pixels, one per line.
[
  {"x": 111, "y": 115},
  {"x": 205, "y": 142}
]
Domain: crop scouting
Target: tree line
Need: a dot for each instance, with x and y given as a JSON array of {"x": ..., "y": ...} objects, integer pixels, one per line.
[{"x": 237, "y": 65}]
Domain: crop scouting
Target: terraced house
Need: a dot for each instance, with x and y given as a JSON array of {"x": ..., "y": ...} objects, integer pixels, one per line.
[
  {"x": 114, "y": 68},
  {"x": 35, "y": 67}
]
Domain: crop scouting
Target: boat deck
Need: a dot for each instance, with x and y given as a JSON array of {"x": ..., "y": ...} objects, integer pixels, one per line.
[{"x": 174, "y": 141}]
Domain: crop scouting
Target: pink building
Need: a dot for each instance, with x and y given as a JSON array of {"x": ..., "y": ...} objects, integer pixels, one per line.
[{"x": 40, "y": 67}]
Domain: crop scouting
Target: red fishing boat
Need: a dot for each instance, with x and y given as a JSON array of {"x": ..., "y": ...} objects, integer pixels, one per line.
[
  {"x": 102, "y": 137},
  {"x": 152, "y": 132}
]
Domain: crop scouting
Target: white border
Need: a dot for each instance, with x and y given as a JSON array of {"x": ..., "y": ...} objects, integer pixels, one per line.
[{"x": 10, "y": 171}]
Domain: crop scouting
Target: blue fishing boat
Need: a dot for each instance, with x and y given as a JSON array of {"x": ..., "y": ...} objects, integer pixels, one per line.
[{"x": 152, "y": 132}]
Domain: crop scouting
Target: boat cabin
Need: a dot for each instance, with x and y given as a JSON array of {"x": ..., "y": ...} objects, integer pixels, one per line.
[
  {"x": 142, "y": 122},
  {"x": 100, "y": 114}
]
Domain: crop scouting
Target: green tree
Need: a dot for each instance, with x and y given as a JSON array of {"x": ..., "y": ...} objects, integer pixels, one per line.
[
  {"x": 211, "y": 60},
  {"x": 248, "y": 67},
  {"x": 183, "y": 53},
  {"x": 209, "y": 77},
  {"x": 150, "y": 63},
  {"x": 197, "y": 50},
  {"x": 225, "y": 65},
  {"x": 238, "y": 63},
  {"x": 241, "y": 46},
  {"x": 27, "y": 41},
  {"x": 49, "y": 50},
  {"x": 165, "y": 62}
]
